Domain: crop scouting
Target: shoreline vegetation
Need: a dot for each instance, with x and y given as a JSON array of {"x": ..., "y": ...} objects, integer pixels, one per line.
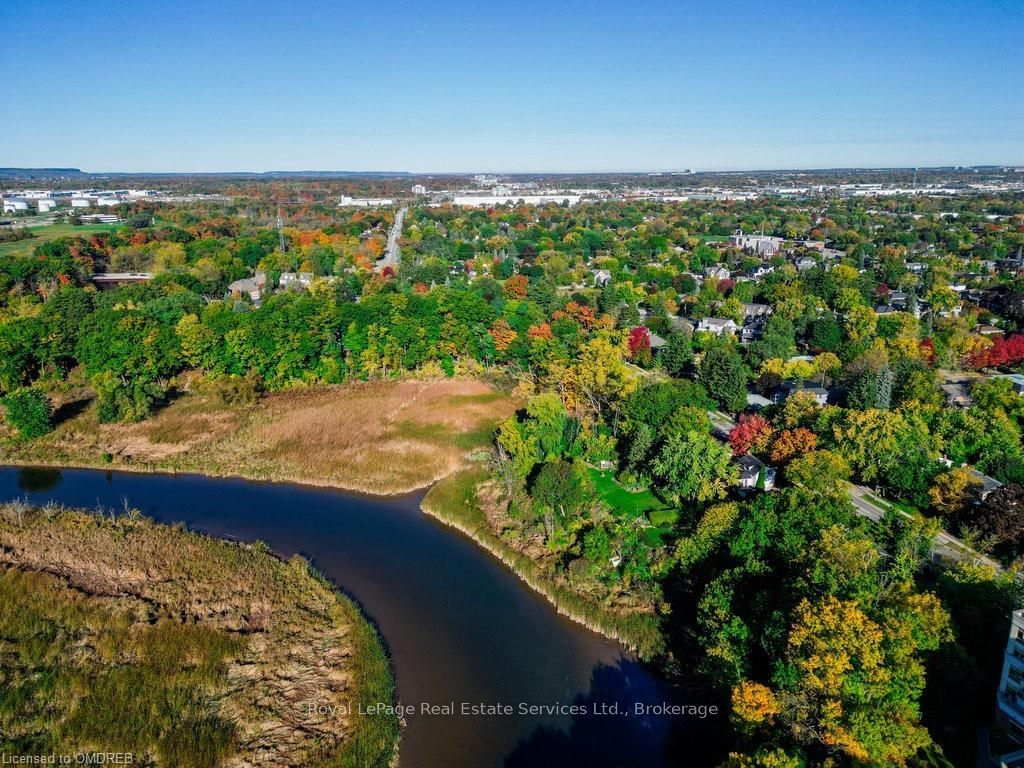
[
  {"x": 358, "y": 438},
  {"x": 123, "y": 635},
  {"x": 455, "y": 502}
]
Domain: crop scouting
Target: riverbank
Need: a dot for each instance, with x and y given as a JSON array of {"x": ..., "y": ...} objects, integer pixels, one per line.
[
  {"x": 122, "y": 635},
  {"x": 382, "y": 438},
  {"x": 454, "y": 501}
]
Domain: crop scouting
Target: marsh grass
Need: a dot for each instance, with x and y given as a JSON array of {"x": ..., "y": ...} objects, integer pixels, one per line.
[
  {"x": 117, "y": 634},
  {"x": 385, "y": 437}
]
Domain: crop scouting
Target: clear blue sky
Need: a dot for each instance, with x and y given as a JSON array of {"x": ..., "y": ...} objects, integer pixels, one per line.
[{"x": 558, "y": 85}]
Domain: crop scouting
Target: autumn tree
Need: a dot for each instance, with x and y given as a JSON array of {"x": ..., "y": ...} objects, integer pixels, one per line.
[
  {"x": 790, "y": 443},
  {"x": 750, "y": 435}
]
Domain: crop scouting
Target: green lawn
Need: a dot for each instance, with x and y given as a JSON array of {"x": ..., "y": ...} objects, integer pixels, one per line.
[
  {"x": 633, "y": 504},
  {"x": 51, "y": 232}
]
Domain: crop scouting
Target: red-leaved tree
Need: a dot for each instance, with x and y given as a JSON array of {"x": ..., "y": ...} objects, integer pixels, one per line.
[
  {"x": 750, "y": 435},
  {"x": 639, "y": 343}
]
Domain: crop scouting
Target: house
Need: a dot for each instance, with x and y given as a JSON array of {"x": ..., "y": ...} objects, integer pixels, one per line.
[
  {"x": 752, "y": 312},
  {"x": 789, "y": 388},
  {"x": 718, "y": 272},
  {"x": 1010, "y": 696},
  {"x": 657, "y": 343},
  {"x": 956, "y": 395},
  {"x": 753, "y": 332},
  {"x": 757, "y": 402},
  {"x": 717, "y": 325},
  {"x": 601, "y": 277},
  {"x": 287, "y": 279},
  {"x": 681, "y": 324},
  {"x": 986, "y": 484},
  {"x": 419, "y": 189},
  {"x": 755, "y": 474},
  {"x": 1016, "y": 381},
  {"x": 988, "y": 330},
  {"x": 247, "y": 286},
  {"x": 761, "y": 245},
  {"x": 760, "y": 271},
  {"x": 805, "y": 262}
]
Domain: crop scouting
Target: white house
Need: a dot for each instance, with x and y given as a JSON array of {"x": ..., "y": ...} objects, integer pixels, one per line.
[
  {"x": 718, "y": 272},
  {"x": 717, "y": 325},
  {"x": 754, "y": 473},
  {"x": 46, "y": 204},
  {"x": 419, "y": 189}
]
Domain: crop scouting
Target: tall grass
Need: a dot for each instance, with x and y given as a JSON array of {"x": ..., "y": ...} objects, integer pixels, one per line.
[{"x": 122, "y": 635}]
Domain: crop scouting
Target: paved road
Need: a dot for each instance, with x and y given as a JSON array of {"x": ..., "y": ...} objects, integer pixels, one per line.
[
  {"x": 945, "y": 547},
  {"x": 867, "y": 504},
  {"x": 391, "y": 252}
]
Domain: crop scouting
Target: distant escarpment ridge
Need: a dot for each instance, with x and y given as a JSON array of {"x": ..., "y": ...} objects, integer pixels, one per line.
[{"x": 45, "y": 172}]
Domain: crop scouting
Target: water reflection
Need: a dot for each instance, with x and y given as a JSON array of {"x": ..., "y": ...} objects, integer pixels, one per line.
[{"x": 38, "y": 479}]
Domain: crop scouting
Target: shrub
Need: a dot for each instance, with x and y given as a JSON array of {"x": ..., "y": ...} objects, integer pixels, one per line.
[{"x": 29, "y": 412}]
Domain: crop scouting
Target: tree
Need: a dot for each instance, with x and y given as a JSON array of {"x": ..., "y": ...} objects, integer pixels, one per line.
[
  {"x": 516, "y": 287},
  {"x": 694, "y": 466},
  {"x": 562, "y": 487},
  {"x": 777, "y": 341},
  {"x": 639, "y": 345},
  {"x": 547, "y": 423},
  {"x": 999, "y": 519},
  {"x": 952, "y": 490},
  {"x": 677, "y": 355},
  {"x": 850, "y": 683},
  {"x": 791, "y": 443},
  {"x": 750, "y": 435},
  {"x": 724, "y": 376},
  {"x": 29, "y": 412},
  {"x": 819, "y": 471}
]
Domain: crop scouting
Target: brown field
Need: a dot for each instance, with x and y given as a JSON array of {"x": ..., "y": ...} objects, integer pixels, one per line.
[{"x": 378, "y": 437}]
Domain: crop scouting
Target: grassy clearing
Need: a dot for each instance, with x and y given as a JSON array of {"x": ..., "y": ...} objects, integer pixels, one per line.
[
  {"x": 49, "y": 232},
  {"x": 454, "y": 500},
  {"x": 123, "y": 635},
  {"x": 633, "y": 504},
  {"x": 378, "y": 437}
]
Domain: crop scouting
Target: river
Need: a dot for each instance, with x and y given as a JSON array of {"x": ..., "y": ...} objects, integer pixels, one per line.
[{"x": 459, "y": 627}]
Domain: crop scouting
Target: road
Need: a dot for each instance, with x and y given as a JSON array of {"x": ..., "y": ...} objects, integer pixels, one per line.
[
  {"x": 867, "y": 504},
  {"x": 391, "y": 252}
]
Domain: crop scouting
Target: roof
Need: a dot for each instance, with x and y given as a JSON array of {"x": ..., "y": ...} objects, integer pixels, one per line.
[
  {"x": 987, "y": 483},
  {"x": 750, "y": 466}
]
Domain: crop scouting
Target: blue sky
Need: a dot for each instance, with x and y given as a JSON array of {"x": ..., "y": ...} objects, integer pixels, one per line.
[{"x": 522, "y": 86}]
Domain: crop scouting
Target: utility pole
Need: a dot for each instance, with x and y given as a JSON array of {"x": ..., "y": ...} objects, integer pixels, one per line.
[{"x": 280, "y": 230}]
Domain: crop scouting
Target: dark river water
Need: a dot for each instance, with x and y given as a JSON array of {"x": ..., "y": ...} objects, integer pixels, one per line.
[{"x": 459, "y": 627}]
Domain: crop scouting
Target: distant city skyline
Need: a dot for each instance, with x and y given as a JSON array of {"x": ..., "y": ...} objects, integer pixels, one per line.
[{"x": 460, "y": 87}]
